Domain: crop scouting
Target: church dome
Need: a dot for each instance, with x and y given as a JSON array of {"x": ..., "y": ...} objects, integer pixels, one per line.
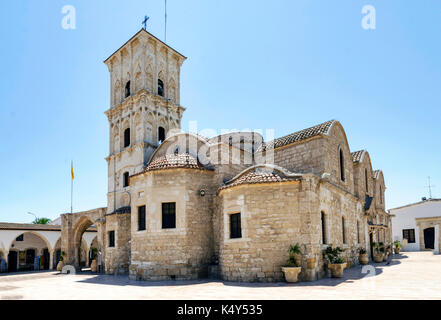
[
  {"x": 259, "y": 176},
  {"x": 173, "y": 161}
]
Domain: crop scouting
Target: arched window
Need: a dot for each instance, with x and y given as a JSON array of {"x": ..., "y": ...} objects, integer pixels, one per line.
[
  {"x": 127, "y": 89},
  {"x": 125, "y": 179},
  {"x": 323, "y": 217},
  {"x": 342, "y": 166},
  {"x": 161, "y": 134},
  {"x": 160, "y": 88},
  {"x": 366, "y": 180},
  {"x": 127, "y": 137}
]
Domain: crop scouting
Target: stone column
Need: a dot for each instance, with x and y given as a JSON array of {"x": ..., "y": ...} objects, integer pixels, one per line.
[
  {"x": 436, "y": 251},
  {"x": 51, "y": 260}
]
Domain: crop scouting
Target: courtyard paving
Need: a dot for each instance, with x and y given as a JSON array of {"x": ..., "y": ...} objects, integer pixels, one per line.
[{"x": 411, "y": 275}]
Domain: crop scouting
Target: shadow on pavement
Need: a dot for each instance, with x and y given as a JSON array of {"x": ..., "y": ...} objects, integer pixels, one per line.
[{"x": 357, "y": 272}]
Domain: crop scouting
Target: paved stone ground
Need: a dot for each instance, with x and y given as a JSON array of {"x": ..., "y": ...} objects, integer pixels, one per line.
[{"x": 411, "y": 275}]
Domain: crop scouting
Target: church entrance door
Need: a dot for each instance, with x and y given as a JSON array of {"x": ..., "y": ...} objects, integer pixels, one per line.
[{"x": 429, "y": 238}]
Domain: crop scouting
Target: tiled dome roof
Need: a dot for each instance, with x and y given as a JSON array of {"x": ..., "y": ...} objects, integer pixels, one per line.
[
  {"x": 171, "y": 161},
  {"x": 257, "y": 176}
]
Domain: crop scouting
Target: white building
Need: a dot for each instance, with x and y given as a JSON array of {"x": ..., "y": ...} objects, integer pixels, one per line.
[
  {"x": 417, "y": 225},
  {"x": 37, "y": 247}
]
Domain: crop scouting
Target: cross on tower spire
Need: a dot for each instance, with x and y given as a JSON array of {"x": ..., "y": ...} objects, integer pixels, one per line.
[{"x": 146, "y": 18}]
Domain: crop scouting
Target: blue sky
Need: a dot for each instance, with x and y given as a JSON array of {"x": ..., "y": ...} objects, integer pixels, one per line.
[{"x": 283, "y": 65}]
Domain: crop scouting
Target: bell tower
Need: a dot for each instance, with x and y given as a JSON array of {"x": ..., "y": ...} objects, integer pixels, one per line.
[{"x": 144, "y": 107}]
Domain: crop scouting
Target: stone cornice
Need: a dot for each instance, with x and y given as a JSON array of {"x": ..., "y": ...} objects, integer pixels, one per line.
[
  {"x": 144, "y": 96},
  {"x": 143, "y": 144}
]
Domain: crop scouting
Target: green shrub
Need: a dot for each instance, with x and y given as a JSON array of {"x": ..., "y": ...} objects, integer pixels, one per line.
[
  {"x": 293, "y": 251},
  {"x": 333, "y": 255}
]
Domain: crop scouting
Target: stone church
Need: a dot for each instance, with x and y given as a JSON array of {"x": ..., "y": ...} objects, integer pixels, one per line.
[{"x": 184, "y": 206}]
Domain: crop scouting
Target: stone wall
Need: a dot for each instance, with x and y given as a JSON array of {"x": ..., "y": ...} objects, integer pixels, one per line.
[
  {"x": 117, "y": 258},
  {"x": 180, "y": 253},
  {"x": 306, "y": 156}
]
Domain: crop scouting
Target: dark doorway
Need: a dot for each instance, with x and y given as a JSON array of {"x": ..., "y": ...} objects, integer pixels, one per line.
[
  {"x": 30, "y": 259},
  {"x": 12, "y": 261},
  {"x": 371, "y": 240},
  {"x": 46, "y": 259},
  {"x": 429, "y": 238},
  {"x": 57, "y": 257}
]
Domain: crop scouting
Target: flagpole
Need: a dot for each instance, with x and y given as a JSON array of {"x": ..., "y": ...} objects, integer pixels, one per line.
[{"x": 71, "y": 187}]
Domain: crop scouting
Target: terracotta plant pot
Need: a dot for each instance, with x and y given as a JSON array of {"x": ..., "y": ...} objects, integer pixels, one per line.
[
  {"x": 310, "y": 263},
  {"x": 397, "y": 250},
  {"x": 363, "y": 258},
  {"x": 60, "y": 265},
  {"x": 337, "y": 269},
  {"x": 385, "y": 255},
  {"x": 291, "y": 273},
  {"x": 378, "y": 257}
]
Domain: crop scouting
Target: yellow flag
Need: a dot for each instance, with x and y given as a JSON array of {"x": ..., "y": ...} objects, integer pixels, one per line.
[{"x": 71, "y": 166}]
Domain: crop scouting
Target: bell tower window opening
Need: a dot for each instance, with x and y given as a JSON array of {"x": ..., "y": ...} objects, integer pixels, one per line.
[
  {"x": 126, "y": 137},
  {"x": 127, "y": 91},
  {"x": 160, "y": 87},
  {"x": 161, "y": 134}
]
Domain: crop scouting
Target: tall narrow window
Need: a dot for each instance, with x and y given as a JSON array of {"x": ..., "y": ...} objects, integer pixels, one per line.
[
  {"x": 161, "y": 134},
  {"x": 127, "y": 92},
  {"x": 235, "y": 226},
  {"x": 125, "y": 179},
  {"x": 342, "y": 166},
  {"x": 111, "y": 239},
  {"x": 358, "y": 232},
  {"x": 169, "y": 215},
  {"x": 366, "y": 180},
  {"x": 160, "y": 88},
  {"x": 343, "y": 229},
  {"x": 141, "y": 218},
  {"x": 323, "y": 228},
  {"x": 381, "y": 195},
  {"x": 127, "y": 137}
]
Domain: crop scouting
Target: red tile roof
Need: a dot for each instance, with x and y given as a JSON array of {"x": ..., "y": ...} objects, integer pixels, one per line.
[
  {"x": 317, "y": 130},
  {"x": 172, "y": 161},
  {"x": 257, "y": 176},
  {"x": 357, "y": 155}
]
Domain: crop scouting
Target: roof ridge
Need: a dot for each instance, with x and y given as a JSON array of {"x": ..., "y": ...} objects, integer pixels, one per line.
[{"x": 319, "y": 129}]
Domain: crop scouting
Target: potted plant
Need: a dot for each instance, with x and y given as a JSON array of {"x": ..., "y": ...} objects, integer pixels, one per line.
[
  {"x": 335, "y": 262},
  {"x": 93, "y": 265},
  {"x": 292, "y": 268},
  {"x": 363, "y": 257},
  {"x": 384, "y": 251},
  {"x": 60, "y": 264},
  {"x": 378, "y": 255},
  {"x": 397, "y": 247}
]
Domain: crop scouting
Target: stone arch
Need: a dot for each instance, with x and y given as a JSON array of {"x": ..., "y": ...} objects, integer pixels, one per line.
[
  {"x": 149, "y": 78},
  {"x": 138, "y": 79},
  {"x": 172, "y": 90},
  {"x": 117, "y": 92},
  {"x": 115, "y": 138},
  {"x": 36, "y": 233},
  {"x": 139, "y": 135},
  {"x": 80, "y": 227}
]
